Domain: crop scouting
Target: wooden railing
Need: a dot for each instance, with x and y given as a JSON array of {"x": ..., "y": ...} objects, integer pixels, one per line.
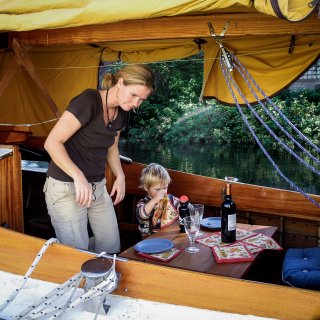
[
  {"x": 209, "y": 191},
  {"x": 249, "y": 198},
  {"x": 157, "y": 283},
  {"x": 297, "y": 219},
  {"x": 14, "y": 134}
]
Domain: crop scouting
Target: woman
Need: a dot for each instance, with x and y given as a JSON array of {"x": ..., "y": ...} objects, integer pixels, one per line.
[{"x": 81, "y": 143}]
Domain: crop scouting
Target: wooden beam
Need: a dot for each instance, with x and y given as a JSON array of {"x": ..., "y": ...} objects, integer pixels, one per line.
[{"x": 241, "y": 24}]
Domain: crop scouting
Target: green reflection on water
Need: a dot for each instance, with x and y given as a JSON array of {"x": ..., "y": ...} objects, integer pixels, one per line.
[{"x": 248, "y": 164}]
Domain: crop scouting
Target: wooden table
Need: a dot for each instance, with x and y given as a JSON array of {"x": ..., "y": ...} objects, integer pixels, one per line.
[{"x": 203, "y": 261}]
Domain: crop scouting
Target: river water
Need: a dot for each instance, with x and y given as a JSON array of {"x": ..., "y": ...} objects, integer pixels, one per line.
[{"x": 248, "y": 164}]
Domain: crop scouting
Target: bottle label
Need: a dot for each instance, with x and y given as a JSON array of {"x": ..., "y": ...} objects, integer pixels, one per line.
[{"x": 232, "y": 221}]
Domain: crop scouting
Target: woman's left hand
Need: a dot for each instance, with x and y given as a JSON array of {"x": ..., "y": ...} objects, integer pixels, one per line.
[{"x": 118, "y": 189}]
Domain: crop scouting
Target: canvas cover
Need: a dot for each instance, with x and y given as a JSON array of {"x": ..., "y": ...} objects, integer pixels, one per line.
[
  {"x": 267, "y": 60},
  {"x": 17, "y": 15},
  {"x": 67, "y": 70}
]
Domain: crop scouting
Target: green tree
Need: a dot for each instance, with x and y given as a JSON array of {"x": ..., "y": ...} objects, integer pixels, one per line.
[{"x": 173, "y": 114}]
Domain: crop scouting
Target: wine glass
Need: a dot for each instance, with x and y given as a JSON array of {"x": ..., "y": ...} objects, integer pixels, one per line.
[
  {"x": 192, "y": 227},
  {"x": 197, "y": 213}
]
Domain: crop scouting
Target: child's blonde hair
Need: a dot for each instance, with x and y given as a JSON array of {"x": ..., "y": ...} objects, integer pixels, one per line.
[{"x": 154, "y": 174}]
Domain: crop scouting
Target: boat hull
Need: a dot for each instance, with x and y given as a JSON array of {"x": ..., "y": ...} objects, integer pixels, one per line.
[{"x": 158, "y": 283}]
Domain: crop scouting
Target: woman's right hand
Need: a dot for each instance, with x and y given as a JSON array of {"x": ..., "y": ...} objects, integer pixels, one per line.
[
  {"x": 83, "y": 191},
  {"x": 65, "y": 128}
]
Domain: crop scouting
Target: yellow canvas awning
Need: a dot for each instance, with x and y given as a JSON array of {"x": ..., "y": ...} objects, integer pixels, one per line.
[
  {"x": 17, "y": 15},
  {"x": 65, "y": 70},
  {"x": 149, "y": 51},
  {"x": 267, "y": 60}
]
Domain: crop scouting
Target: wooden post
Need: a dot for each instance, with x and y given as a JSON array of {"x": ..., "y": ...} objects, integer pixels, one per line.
[{"x": 11, "y": 204}]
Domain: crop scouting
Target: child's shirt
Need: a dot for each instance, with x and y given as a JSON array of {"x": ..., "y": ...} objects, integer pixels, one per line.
[{"x": 159, "y": 217}]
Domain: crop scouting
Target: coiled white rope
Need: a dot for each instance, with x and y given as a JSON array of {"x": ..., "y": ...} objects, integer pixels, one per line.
[
  {"x": 45, "y": 309},
  {"x": 29, "y": 272}
]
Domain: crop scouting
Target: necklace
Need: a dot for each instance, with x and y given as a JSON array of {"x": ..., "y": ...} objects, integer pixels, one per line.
[{"x": 110, "y": 121}]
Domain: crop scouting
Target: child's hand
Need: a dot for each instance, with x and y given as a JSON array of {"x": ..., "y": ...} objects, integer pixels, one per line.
[{"x": 159, "y": 196}]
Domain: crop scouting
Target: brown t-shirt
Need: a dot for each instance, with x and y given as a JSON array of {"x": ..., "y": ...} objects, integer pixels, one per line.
[{"x": 88, "y": 147}]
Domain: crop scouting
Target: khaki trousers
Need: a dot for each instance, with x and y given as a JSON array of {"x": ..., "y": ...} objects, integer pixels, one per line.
[{"x": 70, "y": 220}]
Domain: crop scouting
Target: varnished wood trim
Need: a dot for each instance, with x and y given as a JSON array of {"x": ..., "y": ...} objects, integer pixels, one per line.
[
  {"x": 14, "y": 134},
  {"x": 249, "y": 198},
  {"x": 36, "y": 142},
  {"x": 157, "y": 283},
  {"x": 186, "y": 27},
  {"x": 11, "y": 212}
]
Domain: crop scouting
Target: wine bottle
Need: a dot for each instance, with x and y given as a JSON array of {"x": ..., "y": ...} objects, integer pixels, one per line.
[
  {"x": 228, "y": 218},
  {"x": 183, "y": 211}
]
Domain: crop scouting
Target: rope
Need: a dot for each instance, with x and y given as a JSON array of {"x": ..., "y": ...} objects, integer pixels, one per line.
[
  {"x": 51, "y": 297},
  {"x": 170, "y": 61},
  {"x": 301, "y": 135},
  {"x": 274, "y": 135},
  {"x": 29, "y": 272},
  {"x": 106, "y": 286},
  {"x": 44, "y": 308},
  {"x": 276, "y": 121},
  {"x": 229, "y": 80},
  {"x": 26, "y": 124}
]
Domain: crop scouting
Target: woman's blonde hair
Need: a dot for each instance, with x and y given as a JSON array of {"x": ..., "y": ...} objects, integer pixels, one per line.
[
  {"x": 154, "y": 174},
  {"x": 132, "y": 74}
]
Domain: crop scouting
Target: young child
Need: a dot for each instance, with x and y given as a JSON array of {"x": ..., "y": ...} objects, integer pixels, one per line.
[{"x": 158, "y": 209}]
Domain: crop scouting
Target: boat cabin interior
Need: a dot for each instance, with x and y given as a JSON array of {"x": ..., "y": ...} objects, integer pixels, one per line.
[
  {"x": 22, "y": 208},
  {"x": 49, "y": 54},
  {"x": 297, "y": 220}
]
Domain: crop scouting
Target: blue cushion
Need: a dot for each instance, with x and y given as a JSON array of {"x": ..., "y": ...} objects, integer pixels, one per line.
[{"x": 301, "y": 268}]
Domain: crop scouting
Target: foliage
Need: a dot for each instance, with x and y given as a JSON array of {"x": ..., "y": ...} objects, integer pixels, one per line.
[
  {"x": 176, "y": 94},
  {"x": 303, "y": 107},
  {"x": 175, "y": 115}
]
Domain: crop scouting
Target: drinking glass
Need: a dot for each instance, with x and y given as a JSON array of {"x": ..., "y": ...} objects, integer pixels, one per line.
[
  {"x": 192, "y": 227},
  {"x": 197, "y": 213}
]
